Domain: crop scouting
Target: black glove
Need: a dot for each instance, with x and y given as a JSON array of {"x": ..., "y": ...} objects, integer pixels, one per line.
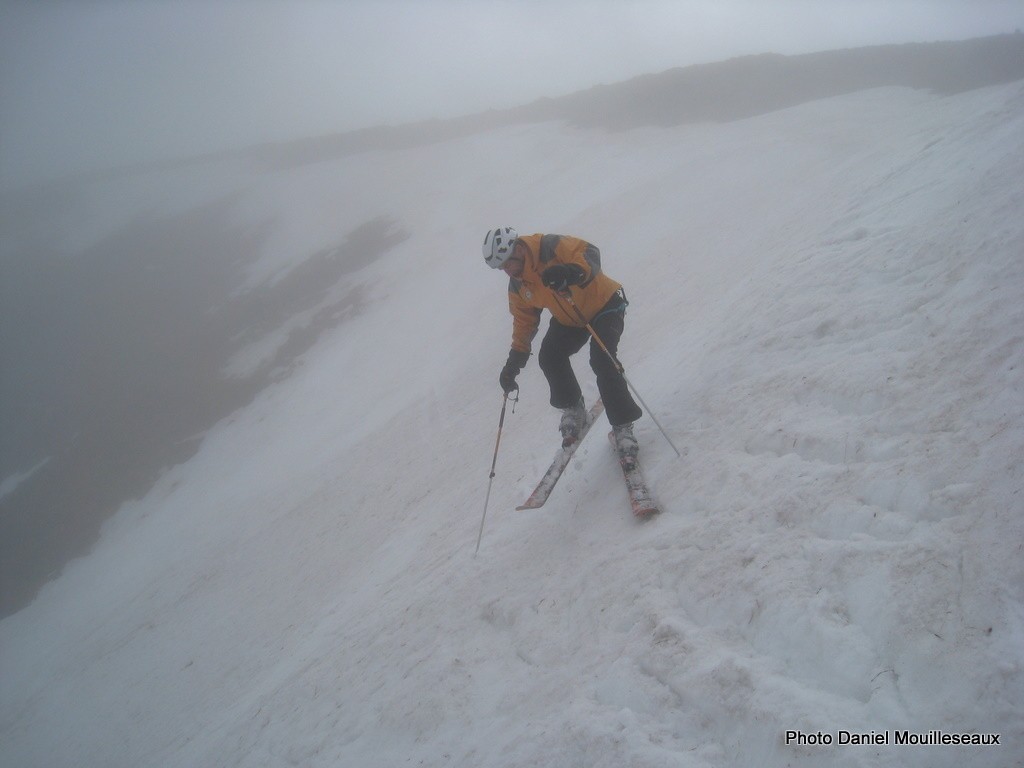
[
  {"x": 559, "y": 277},
  {"x": 514, "y": 364}
]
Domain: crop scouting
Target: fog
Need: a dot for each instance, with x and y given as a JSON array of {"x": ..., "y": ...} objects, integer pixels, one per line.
[
  {"x": 87, "y": 86},
  {"x": 825, "y": 317},
  {"x": 139, "y": 309}
]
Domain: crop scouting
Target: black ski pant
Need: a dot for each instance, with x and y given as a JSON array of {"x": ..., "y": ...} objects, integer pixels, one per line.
[{"x": 562, "y": 341}]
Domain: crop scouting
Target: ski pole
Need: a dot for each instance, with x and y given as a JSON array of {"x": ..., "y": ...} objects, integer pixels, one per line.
[
  {"x": 494, "y": 462},
  {"x": 618, "y": 366}
]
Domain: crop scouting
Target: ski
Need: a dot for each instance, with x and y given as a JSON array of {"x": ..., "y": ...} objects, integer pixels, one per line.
[
  {"x": 640, "y": 498},
  {"x": 561, "y": 461}
]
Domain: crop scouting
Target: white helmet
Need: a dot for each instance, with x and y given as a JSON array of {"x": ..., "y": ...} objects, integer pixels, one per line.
[{"x": 498, "y": 246}]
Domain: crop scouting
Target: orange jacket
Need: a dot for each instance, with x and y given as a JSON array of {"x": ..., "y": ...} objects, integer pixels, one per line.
[{"x": 527, "y": 295}]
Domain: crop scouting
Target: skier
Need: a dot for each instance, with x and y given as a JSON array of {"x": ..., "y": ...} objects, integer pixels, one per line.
[{"x": 545, "y": 272}]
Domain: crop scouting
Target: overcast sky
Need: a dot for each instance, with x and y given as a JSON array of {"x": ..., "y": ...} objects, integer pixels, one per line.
[{"x": 91, "y": 84}]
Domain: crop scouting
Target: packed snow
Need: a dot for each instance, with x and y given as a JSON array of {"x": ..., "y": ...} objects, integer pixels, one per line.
[{"x": 825, "y": 315}]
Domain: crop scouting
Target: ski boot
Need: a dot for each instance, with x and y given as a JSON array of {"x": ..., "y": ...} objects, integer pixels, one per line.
[
  {"x": 572, "y": 423},
  {"x": 625, "y": 441}
]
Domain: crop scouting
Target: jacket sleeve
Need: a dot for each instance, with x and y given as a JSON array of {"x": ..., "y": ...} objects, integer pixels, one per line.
[
  {"x": 556, "y": 249},
  {"x": 525, "y": 322}
]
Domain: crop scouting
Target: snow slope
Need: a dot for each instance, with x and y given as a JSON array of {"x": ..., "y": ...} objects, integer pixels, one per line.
[{"x": 826, "y": 316}]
